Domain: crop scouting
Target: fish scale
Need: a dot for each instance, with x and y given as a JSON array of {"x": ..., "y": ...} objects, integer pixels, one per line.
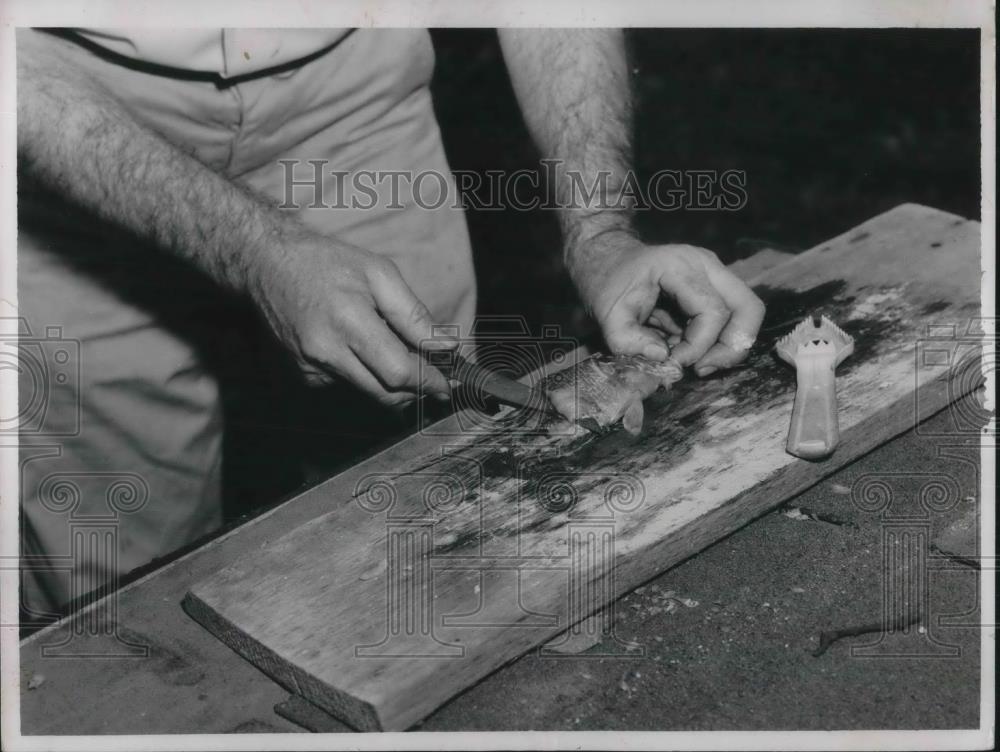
[{"x": 607, "y": 388}]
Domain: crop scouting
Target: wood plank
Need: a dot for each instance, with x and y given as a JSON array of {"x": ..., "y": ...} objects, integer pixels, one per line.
[
  {"x": 302, "y": 712},
  {"x": 155, "y": 694},
  {"x": 755, "y": 265},
  {"x": 496, "y": 566}
]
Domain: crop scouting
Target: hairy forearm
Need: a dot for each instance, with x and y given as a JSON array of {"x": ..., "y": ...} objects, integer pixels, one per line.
[
  {"x": 573, "y": 87},
  {"x": 574, "y": 90},
  {"x": 75, "y": 137},
  {"x": 343, "y": 312}
]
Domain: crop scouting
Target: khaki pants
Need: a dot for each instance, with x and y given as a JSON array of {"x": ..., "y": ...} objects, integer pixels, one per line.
[{"x": 121, "y": 423}]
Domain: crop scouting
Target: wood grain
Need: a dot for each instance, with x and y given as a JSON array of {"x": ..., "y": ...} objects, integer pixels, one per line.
[{"x": 424, "y": 578}]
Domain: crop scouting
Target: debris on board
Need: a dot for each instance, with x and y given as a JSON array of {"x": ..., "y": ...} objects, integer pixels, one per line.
[{"x": 878, "y": 304}]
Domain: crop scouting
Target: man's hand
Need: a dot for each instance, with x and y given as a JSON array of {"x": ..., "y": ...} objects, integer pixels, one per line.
[
  {"x": 574, "y": 90},
  {"x": 340, "y": 309},
  {"x": 345, "y": 312},
  {"x": 622, "y": 280}
]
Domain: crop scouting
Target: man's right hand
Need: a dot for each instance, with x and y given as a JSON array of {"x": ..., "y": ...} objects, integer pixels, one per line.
[
  {"x": 346, "y": 312},
  {"x": 341, "y": 310}
]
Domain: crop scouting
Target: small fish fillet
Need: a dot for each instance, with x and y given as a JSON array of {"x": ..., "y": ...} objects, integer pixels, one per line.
[{"x": 610, "y": 388}]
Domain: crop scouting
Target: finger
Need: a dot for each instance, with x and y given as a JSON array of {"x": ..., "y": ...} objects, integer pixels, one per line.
[
  {"x": 709, "y": 315},
  {"x": 623, "y": 324},
  {"x": 404, "y": 311},
  {"x": 626, "y": 336},
  {"x": 665, "y": 323},
  {"x": 718, "y": 357},
  {"x": 316, "y": 376},
  {"x": 345, "y": 364},
  {"x": 740, "y": 332},
  {"x": 396, "y": 367},
  {"x": 747, "y": 309},
  {"x": 361, "y": 376}
]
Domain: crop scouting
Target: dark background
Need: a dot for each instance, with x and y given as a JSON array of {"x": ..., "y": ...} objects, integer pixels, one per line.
[{"x": 830, "y": 126}]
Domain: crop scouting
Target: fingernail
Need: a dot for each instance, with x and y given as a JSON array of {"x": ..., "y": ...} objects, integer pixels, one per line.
[
  {"x": 706, "y": 370},
  {"x": 655, "y": 352},
  {"x": 442, "y": 396}
]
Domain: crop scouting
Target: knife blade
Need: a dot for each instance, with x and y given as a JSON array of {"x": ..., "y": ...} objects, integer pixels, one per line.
[
  {"x": 486, "y": 381},
  {"x": 474, "y": 376}
]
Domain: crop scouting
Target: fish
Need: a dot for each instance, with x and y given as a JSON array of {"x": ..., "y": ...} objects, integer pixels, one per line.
[{"x": 607, "y": 388}]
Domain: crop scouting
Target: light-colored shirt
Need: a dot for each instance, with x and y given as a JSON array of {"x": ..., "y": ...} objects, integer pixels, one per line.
[{"x": 227, "y": 52}]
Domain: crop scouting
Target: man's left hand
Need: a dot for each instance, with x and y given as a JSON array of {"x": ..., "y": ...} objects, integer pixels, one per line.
[{"x": 621, "y": 282}]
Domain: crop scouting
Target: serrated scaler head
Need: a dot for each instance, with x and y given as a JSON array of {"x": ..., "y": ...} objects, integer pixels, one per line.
[{"x": 815, "y": 334}]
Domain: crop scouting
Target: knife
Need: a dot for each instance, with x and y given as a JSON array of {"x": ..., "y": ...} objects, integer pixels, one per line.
[{"x": 486, "y": 381}]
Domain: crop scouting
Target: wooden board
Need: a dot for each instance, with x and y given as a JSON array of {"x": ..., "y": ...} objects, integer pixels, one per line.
[
  {"x": 423, "y": 579},
  {"x": 188, "y": 681}
]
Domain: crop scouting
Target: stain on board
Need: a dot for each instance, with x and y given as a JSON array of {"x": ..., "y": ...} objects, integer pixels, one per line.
[
  {"x": 936, "y": 307},
  {"x": 786, "y": 308},
  {"x": 518, "y": 467}
]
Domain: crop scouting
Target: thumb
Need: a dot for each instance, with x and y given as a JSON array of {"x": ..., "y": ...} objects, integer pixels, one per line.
[{"x": 404, "y": 311}]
